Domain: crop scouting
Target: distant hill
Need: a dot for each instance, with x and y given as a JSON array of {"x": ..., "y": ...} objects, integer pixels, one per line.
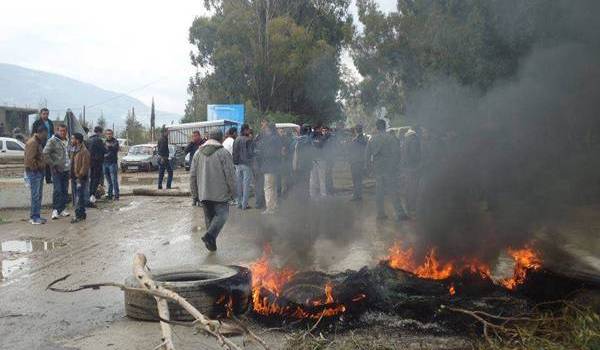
[{"x": 31, "y": 88}]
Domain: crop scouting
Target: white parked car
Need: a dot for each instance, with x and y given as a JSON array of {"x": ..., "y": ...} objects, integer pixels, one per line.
[{"x": 11, "y": 150}]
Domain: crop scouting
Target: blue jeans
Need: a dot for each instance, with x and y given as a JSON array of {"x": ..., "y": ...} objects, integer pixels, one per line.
[
  {"x": 79, "y": 200},
  {"x": 215, "y": 216},
  {"x": 164, "y": 164},
  {"x": 60, "y": 181},
  {"x": 36, "y": 185},
  {"x": 112, "y": 177},
  {"x": 243, "y": 179}
]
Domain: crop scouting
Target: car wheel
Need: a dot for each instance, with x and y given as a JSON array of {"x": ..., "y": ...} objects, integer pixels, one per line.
[{"x": 209, "y": 288}]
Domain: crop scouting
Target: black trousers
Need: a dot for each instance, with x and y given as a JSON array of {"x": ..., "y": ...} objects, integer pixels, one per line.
[{"x": 96, "y": 176}]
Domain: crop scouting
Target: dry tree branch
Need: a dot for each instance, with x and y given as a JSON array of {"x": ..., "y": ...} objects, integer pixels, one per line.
[
  {"x": 142, "y": 274},
  {"x": 214, "y": 328}
]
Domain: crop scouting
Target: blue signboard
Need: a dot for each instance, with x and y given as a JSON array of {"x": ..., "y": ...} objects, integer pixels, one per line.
[{"x": 233, "y": 113}]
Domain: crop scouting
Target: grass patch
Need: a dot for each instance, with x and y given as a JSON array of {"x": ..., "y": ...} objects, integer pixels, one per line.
[
  {"x": 304, "y": 341},
  {"x": 3, "y": 221},
  {"x": 570, "y": 327}
]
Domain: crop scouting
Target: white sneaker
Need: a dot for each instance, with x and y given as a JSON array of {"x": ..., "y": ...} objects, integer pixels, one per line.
[
  {"x": 55, "y": 214},
  {"x": 92, "y": 199},
  {"x": 64, "y": 213}
]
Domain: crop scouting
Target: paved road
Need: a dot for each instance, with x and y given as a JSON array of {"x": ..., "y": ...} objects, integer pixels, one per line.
[{"x": 166, "y": 230}]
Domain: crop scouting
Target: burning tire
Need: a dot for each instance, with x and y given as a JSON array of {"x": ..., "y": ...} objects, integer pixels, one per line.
[{"x": 213, "y": 289}]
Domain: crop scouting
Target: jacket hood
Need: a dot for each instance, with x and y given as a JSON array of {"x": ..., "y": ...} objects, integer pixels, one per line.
[{"x": 210, "y": 147}]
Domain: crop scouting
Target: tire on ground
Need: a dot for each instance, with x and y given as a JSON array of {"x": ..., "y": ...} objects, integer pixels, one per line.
[{"x": 212, "y": 289}]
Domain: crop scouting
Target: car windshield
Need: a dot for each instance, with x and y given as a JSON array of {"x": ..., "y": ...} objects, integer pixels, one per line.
[{"x": 141, "y": 150}]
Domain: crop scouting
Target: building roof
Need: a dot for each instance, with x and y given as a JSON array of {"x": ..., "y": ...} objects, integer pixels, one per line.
[{"x": 20, "y": 109}]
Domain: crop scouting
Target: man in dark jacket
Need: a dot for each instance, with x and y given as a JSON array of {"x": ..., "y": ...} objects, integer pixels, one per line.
[
  {"x": 193, "y": 146},
  {"x": 111, "y": 167},
  {"x": 163, "y": 162},
  {"x": 356, "y": 155},
  {"x": 302, "y": 164},
  {"x": 271, "y": 149},
  {"x": 44, "y": 122},
  {"x": 97, "y": 151},
  {"x": 212, "y": 183},
  {"x": 242, "y": 159},
  {"x": 382, "y": 157}
]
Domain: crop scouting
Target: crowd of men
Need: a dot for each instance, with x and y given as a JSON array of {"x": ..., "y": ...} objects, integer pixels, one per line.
[
  {"x": 280, "y": 164},
  {"x": 51, "y": 158},
  {"x": 276, "y": 165}
]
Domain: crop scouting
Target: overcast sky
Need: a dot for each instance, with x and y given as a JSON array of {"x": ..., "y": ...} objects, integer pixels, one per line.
[{"x": 129, "y": 46}]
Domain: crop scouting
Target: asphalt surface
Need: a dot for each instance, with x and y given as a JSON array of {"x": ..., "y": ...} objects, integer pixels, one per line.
[{"x": 168, "y": 231}]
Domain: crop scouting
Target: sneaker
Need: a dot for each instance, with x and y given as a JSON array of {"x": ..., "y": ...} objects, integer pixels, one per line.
[
  {"x": 35, "y": 222},
  {"x": 64, "y": 213},
  {"x": 92, "y": 199},
  {"x": 54, "y": 214}
]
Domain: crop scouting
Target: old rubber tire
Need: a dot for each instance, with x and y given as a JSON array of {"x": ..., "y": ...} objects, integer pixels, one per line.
[{"x": 209, "y": 288}]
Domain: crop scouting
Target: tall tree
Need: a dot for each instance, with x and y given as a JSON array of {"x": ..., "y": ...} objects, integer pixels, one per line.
[
  {"x": 279, "y": 55},
  {"x": 134, "y": 130},
  {"x": 152, "y": 121},
  {"x": 101, "y": 120}
]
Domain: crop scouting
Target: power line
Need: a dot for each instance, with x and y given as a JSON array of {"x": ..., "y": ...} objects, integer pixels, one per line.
[{"x": 124, "y": 94}]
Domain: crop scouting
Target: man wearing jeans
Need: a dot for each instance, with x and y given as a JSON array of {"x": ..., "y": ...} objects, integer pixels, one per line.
[
  {"x": 80, "y": 167},
  {"x": 242, "y": 158},
  {"x": 57, "y": 157},
  {"x": 212, "y": 183},
  {"x": 164, "y": 162},
  {"x": 35, "y": 169},
  {"x": 111, "y": 168}
]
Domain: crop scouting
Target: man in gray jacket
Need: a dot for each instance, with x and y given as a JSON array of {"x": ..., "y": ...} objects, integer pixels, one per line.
[
  {"x": 56, "y": 153},
  {"x": 212, "y": 182}
]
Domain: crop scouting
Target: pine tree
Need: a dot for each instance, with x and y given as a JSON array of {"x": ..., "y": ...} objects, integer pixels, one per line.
[
  {"x": 102, "y": 120},
  {"x": 152, "y": 120}
]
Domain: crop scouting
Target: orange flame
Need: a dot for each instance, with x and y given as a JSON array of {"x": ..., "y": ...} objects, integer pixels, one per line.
[
  {"x": 451, "y": 290},
  {"x": 265, "y": 277},
  {"x": 432, "y": 267},
  {"x": 525, "y": 259}
]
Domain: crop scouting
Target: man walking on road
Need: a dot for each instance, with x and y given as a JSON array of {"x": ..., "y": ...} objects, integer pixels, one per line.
[
  {"x": 80, "y": 166},
  {"x": 212, "y": 183},
  {"x": 242, "y": 158},
  {"x": 382, "y": 157},
  {"x": 57, "y": 157},
  {"x": 111, "y": 168},
  {"x": 35, "y": 168},
  {"x": 163, "y": 162},
  {"x": 97, "y": 151}
]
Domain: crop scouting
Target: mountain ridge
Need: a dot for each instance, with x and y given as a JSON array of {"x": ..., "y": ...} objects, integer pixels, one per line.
[{"x": 24, "y": 87}]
